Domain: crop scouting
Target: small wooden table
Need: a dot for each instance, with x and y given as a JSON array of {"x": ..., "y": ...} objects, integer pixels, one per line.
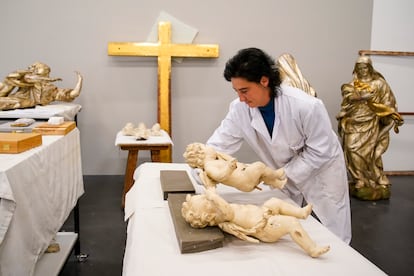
[{"x": 133, "y": 146}]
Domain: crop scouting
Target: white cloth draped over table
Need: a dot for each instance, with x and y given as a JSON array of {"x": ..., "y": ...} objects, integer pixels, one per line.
[
  {"x": 164, "y": 138},
  {"x": 38, "y": 190},
  {"x": 152, "y": 247},
  {"x": 66, "y": 110}
]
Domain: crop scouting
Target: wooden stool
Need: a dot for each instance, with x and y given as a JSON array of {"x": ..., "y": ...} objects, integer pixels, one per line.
[{"x": 154, "y": 144}]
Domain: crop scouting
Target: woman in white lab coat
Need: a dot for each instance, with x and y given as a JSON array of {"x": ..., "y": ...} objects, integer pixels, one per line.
[{"x": 289, "y": 129}]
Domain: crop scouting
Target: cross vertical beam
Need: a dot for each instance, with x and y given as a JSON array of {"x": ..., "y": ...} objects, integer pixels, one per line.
[{"x": 164, "y": 49}]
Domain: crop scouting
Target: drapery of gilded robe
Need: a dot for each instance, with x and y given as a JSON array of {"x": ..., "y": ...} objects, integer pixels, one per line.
[{"x": 368, "y": 112}]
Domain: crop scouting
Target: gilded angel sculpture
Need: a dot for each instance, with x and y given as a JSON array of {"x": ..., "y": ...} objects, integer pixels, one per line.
[{"x": 31, "y": 87}]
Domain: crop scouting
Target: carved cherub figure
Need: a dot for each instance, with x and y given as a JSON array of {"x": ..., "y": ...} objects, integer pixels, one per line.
[
  {"x": 217, "y": 167},
  {"x": 266, "y": 223}
]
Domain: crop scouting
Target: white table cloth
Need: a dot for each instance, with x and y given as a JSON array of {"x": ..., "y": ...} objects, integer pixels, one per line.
[
  {"x": 38, "y": 190},
  {"x": 152, "y": 247},
  {"x": 67, "y": 110},
  {"x": 162, "y": 139}
]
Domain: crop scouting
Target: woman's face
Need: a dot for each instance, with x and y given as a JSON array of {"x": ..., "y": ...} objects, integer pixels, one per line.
[
  {"x": 362, "y": 70},
  {"x": 252, "y": 93}
]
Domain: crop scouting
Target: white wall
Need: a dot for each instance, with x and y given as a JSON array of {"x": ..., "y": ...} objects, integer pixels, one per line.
[
  {"x": 323, "y": 35},
  {"x": 393, "y": 30}
]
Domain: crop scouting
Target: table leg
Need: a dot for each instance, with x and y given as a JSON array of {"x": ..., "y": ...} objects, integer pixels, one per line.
[
  {"x": 155, "y": 156},
  {"x": 81, "y": 257},
  {"x": 129, "y": 172}
]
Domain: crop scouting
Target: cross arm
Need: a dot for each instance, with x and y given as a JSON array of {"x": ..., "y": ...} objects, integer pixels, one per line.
[{"x": 157, "y": 49}]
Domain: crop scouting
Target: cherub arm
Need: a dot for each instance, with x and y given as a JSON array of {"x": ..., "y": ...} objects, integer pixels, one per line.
[
  {"x": 225, "y": 156},
  {"x": 219, "y": 169},
  {"x": 207, "y": 181},
  {"x": 218, "y": 166},
  {"x": 222, "y": 205},
  {"x": 32, "y": 78}
]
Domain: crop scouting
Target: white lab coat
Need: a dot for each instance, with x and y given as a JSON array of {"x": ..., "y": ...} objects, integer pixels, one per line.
[{"x": 303, "y": 143}]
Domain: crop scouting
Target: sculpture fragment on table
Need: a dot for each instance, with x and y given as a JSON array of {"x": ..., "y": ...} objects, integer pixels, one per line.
[
  {"x": 266, "y": 223},
  {"x": 368, "y": 112},
  {"x": 217, "y": 167},
  {"x": 141, "y": 132},
  {"x": 33, "y": 86}
]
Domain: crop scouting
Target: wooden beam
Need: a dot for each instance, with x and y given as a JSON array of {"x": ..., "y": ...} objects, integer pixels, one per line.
[
  {"x": 384, "y": 53},
  {"x": 399, "y": 172}
]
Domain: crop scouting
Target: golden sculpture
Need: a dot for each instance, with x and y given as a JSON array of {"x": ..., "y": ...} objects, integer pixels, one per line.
[
  {"x": 31, "y": 87},
  {"x": 164, "y": 49},
  {"x": 291, "y": 74},
  {"x": 368, "y": 112}
]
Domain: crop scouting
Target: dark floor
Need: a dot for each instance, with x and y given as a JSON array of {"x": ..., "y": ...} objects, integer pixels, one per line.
[
  {"x": 102, "y": 228},
  {"x": 383, "y": 231}
]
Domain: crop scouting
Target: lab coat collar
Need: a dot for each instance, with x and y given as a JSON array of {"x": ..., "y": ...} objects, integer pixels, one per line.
[{"x": 258, "y": 123}]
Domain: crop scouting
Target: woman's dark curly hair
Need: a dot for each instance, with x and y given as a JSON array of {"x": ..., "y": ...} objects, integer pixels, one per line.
[{"x": 252, "y": 64}]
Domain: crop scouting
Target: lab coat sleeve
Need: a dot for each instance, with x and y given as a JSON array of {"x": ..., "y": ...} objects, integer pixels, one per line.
[
  {"x": 320, "y": 145},
  {"x": 227, "y": 138}
]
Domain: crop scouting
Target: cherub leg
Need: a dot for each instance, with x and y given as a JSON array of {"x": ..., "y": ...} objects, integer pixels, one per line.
[
  {"x": 279, "y": 206},
  {"x": 299, "y": 235}
]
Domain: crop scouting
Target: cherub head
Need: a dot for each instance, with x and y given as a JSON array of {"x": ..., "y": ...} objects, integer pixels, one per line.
[
  {"x": 40, "y": 69},
  {"x": 199, "y": 211},
  {"x": 195, "y": 154}
]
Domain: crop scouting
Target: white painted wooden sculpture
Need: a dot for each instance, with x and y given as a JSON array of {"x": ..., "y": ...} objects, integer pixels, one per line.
[
  {"x": 141, "y": 132},
  {"x": 216, "y": 167},
  {"x": 266, "y": 223}
]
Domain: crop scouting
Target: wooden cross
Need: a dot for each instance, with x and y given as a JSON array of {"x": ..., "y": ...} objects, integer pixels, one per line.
[{"x": 164, "y": 49}]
